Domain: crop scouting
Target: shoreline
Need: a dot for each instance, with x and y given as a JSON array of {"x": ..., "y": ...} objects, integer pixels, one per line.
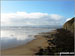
[{"x": 29, "y": 48}]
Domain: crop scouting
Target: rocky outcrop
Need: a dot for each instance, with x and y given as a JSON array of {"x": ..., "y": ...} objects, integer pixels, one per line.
[{"x": 69, "y": 25}]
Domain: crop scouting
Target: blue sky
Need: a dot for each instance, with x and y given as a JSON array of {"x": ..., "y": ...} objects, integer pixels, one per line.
[{"x": 62, "y": 8}]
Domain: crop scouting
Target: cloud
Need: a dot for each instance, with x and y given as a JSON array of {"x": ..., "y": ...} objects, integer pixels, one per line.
[
  {"x": 24, "y": 18},
  {"x": 55, "y": 17}
]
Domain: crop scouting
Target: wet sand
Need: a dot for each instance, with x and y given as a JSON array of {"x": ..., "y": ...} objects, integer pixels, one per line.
[{"x": 27, "y": 49}]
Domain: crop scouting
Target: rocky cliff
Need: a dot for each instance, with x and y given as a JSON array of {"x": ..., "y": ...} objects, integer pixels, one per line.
[{"x": 69, "y": 25}]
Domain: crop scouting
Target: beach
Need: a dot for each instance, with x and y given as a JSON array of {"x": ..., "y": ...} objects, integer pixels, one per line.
[
  {"x": 43, "y": 42},
  {"x": 31, "y": 47}
]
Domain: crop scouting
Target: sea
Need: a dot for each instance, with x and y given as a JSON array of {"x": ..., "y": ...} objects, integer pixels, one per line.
[{"x": 16, "y": 36}]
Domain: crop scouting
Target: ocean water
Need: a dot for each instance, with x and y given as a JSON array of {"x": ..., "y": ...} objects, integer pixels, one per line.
[{"x": 13, "y": 37}]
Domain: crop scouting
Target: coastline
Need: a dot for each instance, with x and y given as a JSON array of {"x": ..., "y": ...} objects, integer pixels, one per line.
[
  {"x": 31, "y": 47},
  {"x": 45, "y": 42}
]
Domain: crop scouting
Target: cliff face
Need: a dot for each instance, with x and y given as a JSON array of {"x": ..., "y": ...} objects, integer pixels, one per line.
[{"x": 69, "y": 25}]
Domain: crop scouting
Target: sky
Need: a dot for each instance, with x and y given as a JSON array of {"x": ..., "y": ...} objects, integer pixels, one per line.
[{"x": 23, "y": 13}]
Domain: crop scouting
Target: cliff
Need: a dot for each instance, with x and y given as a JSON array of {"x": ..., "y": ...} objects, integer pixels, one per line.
[
  {"x": 69, "y": 25},
  {"x": 62, "y": 40}
]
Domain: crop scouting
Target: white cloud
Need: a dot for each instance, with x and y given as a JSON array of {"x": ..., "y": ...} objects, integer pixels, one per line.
[
  {"x": 55, "y": 16},
  {"x": 24, "y": 18}
]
